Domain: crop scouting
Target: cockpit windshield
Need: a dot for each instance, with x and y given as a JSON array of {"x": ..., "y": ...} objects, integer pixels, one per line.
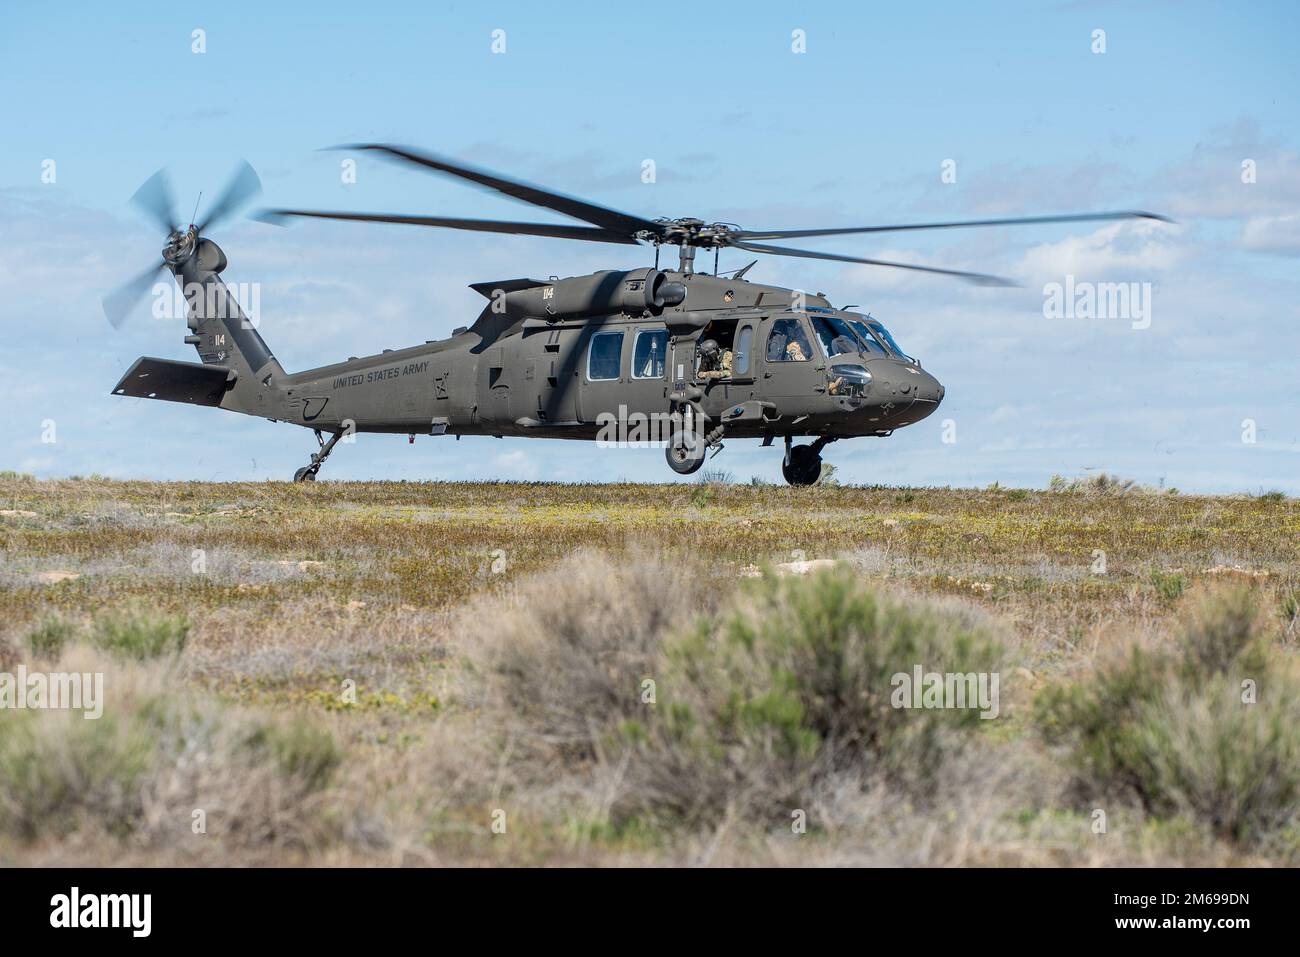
[
  {"x": 835, "y": 335},
  {"x": 874, "y": 330},
  {"x": 870, "y": 345}
]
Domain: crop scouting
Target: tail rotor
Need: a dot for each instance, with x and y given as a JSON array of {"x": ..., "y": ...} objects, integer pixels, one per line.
[{"x": 155, "y": 200}]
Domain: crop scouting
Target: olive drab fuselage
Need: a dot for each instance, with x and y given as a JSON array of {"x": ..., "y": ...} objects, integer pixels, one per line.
[
  {"x": 590, "y": 357},
  {"x": 521, "y": 375}
]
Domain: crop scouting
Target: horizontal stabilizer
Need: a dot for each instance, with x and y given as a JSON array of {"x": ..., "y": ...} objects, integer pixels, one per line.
[
  {"x": 486, "y": 289},
  {"x": 174, "y": 381}
]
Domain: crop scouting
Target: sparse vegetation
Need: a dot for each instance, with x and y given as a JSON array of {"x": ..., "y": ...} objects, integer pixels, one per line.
[
  {"x": 1103, "y": 484},
  {"x": 716, "y": 477},
  {"x": 157, "y": 764},
  {"x": 365, "y": 672},
  {"x": 1208, "y": 728}
]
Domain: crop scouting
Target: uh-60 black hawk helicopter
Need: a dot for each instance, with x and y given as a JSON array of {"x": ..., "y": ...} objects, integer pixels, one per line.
[{"x": 712, "y": 356}]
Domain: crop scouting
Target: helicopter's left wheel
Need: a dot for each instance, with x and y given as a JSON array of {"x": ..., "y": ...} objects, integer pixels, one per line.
[
  {"x": 686, "y": 451},
  {"x": 804, "y": 467}
]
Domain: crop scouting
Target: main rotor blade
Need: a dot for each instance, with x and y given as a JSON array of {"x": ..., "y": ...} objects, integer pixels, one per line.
[
  {"x": 241, "y": 188},
  {"x": 747, "y": 234},
  {"x": 980, "y": 279},
  {"x": 623, "y": 223},
  {"x": 119, "y": 303},
  {"x": 154, "y": 198},
  {"x": 557, "y": 231}
]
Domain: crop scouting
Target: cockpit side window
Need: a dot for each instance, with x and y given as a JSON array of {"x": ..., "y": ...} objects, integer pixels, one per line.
[{"x": 787, "y": 342}]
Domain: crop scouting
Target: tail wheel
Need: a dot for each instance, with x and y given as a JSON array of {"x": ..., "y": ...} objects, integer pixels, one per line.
[
  {"x": 686, "y": 451},
  {"x": 804, "y": 467}
]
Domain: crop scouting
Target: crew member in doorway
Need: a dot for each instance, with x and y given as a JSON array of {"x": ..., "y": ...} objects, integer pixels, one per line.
[{"x": 715, "y": 363}]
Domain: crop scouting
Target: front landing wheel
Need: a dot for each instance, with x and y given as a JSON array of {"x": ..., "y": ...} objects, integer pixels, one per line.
[
  {"x": 304, "y": 474},
  {"x": 686, "y": 451},
  {"x": 804, "y": 467}
]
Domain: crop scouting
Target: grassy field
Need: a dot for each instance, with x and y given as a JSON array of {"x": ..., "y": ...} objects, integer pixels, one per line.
[{"x": 624, "y": 674}]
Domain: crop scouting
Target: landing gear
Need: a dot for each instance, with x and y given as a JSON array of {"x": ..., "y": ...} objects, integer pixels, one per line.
[
  {"x": 686, "y": 450},
  {"x": 803, "y": 463},
  {"x": 802, "y": 466},
  {"x": 308, "y": 472}
]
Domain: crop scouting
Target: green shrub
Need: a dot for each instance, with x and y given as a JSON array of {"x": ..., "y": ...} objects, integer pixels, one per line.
[
  {"x": 1175, "y": 729},
  {"x": 1168, "y": 585},
  {"x": 50, "y": 637},
  {"x": 140, "y": 635},
  {"x": 301, "y": 751},
  {"x": 793, "y": 683}
]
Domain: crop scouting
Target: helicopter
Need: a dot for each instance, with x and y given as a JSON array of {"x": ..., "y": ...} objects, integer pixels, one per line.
[{"x": 678, "y": 357}]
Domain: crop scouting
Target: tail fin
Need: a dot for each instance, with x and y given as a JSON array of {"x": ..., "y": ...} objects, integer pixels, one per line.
[{"x": 221, "y": 332}]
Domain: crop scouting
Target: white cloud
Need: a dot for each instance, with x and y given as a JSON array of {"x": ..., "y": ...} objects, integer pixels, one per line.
[
  {"x": 1127, "y": 248},
  {"x": 516, "y": 464},
  {"x": 1273, "y": 234}
]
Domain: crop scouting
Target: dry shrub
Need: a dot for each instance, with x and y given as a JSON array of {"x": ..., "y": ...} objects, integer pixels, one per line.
[
  {"x": 1173, "y": 728},
  {"x": 139, "y": 772},
  {"x": 1101, "y": 485},
  {"x": 563, "y": 654}
]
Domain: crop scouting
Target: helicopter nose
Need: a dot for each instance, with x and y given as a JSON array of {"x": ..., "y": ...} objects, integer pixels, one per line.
[
  {"x": 928, "y": 388},
  {"x": 927, "y": 393}
]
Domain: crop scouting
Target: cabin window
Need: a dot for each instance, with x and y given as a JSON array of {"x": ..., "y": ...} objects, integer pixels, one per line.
[
  {"x": 740, "y": 358},
  {"x": 605, "y": 356},
  {"x": 648, "y": 355},
  {"x": 788, "y": 342}
]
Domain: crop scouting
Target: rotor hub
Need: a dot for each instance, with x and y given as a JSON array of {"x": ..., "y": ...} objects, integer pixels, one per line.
[
  {"x": 687, "y": 231},
  {"x": 180, "y": 245}
]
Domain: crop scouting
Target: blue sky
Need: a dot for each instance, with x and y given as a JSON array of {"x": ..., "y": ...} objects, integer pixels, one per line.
[{"x": 742, "y": 129}]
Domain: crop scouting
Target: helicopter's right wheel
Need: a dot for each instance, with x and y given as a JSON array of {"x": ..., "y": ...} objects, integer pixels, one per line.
[
  {"x": 804, "y": 467},
  {"x": 686, "y": 451},
  {"x": 304, "y": 474}
]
